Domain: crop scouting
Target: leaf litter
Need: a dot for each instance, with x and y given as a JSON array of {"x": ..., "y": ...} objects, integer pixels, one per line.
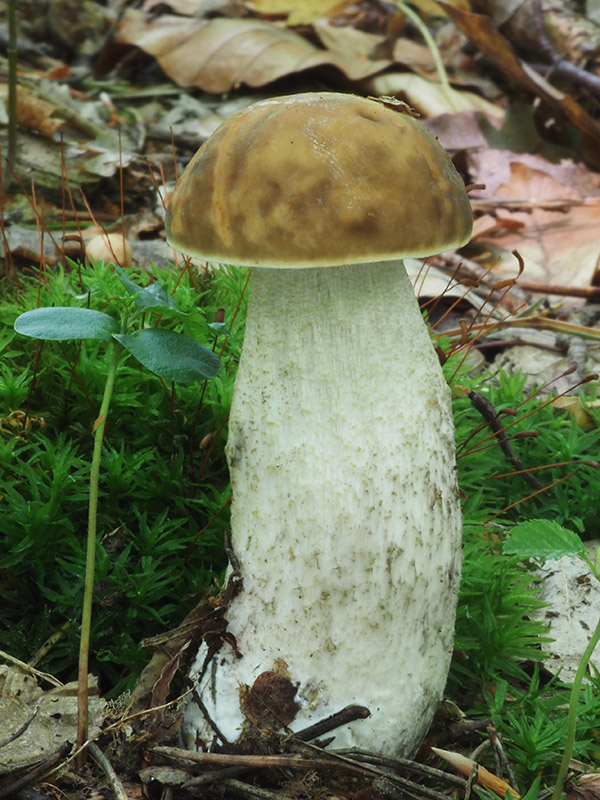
[{"x": 541, "y": 198}]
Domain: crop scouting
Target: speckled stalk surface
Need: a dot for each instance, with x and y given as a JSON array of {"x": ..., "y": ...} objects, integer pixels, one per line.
[{"x": 345, "y": 513}]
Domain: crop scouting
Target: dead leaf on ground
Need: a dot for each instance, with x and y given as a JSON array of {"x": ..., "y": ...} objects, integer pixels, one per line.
[
  {"x": 301, "y": 13},
  {"x": 586, "y": 788},
  {"x": 220, "y": 54},
  {"x": 483, "y": 33},
  {"x": 191, "y": 8},
  {"x": 549, "y": 212},
  {"x": 54, "y": 722},
  {"x": 350, "y": 44},
  {"x": 430, "y": 98}
]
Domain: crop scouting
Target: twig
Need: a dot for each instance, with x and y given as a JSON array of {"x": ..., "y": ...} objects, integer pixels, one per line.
[
  {"x": 560, "y": 66},
  {"x": 251, "y": 791},
  {"x": 36, "y": 773},
  {"x": 499, "y": 751},
  {"x": 490, "y": 415},
  {"x": 419, "y": 791},
  {"x": 343, "y": 717},
  {"x": 405, "y": 764},
  {"x": 30, "y": 670},
  {"x": 105, "y": 765},
  {"x": 20, "y": 731},
  {"x": 198, "y": 701},
  {"x": 256, "y": 762},
  {"x": 591, "y": 293}
]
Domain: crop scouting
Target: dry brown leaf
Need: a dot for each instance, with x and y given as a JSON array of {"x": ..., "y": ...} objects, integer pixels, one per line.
[
  {"x": 34, "y": 113},
  {"x": 430, "y": 98},
  {"x": 189, "y": 8},
  {"x": 217, "y": 55},
  {"x": 350, "y": 45},
  {"x": 587, "y": 788},
  {"x": 303, "y": 13},
  {"x": 555, "y": 228},
  {"x": 456, "y": 132},
  {"x": 483, "y": 33},
  {"x": 435, "y": 9}
]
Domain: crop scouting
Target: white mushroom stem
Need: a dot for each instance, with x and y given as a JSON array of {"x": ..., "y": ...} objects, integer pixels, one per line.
[{"x": 345, "y": 512}]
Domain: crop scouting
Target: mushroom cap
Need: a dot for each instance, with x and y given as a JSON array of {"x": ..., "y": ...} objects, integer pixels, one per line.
[{"x": 318, "y": 179}]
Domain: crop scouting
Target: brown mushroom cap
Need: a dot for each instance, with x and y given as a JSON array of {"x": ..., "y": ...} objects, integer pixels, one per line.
[{"x": 318, "y": 179}]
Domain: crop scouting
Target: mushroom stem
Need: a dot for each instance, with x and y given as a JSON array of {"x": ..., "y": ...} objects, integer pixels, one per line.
[{"x": 345, "y": 513}]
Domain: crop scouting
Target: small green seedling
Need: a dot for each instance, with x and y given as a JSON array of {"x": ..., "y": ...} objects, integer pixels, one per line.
[
  {"x": 548, "y": 541},
  {"x": 172, "y": 356}
]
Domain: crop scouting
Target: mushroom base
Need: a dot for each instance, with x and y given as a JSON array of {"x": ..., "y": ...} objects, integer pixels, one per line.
[{"x": 345, "y": 514}]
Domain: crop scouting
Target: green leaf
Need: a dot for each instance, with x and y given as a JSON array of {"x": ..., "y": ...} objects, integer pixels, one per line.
[
  {"x": 543, "y": 538},
  {"x": 60, "y": 323},
  {"x": 173, "y": 356},
  {"x": 153, "y": 296},
  {"x": 219, "y": 327}
]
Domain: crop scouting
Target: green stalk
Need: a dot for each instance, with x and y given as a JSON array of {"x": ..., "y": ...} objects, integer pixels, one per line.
[
  {"x": 573, "y": 708},
  {"x": 12, "y": 82},
  {"x": 429, "y": 41},
  {"x": 86, "y": 616}
]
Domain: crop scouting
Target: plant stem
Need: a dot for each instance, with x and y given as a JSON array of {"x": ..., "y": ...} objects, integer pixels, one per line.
[
  {"x": 573, "y": 708},
  {"x": 86, "y": 616},
  {"x": 12, "y": 82},
  {"x": 429, "y": 41}
]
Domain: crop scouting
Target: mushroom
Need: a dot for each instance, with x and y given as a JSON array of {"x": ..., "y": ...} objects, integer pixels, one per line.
[{"x": 345, "y": 515}]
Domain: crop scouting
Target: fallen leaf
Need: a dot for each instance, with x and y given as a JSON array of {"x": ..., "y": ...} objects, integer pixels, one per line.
[
  {"x": 54, "y": 723},
  {"x": 430, "y": 98},
  {"x": 549, "y": 212},
  {"x": 189, "y": 8},
  {"x": 435, "y": 9},
  {"x": 587, "y": 788},
  {"x": 483, "y": 33},
  {"x": 460, "y": 131},
  {"x": 35, "y": 113},
  {"x": 218, "y": 55},
  {"x": 349, "y": 44},
  {"x": 575, "y": 408},
  {"x": 303, "y": 13}
]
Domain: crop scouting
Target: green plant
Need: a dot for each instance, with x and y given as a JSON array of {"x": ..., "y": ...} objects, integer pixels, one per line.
[
  {"x": 171, "y": 355},
  {"x": 163, "y": 505},
  {"x": 152, "y": 462}
]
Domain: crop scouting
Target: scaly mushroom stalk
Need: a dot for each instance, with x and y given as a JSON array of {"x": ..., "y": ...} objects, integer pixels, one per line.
[{"x": 345, "y": 515}]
